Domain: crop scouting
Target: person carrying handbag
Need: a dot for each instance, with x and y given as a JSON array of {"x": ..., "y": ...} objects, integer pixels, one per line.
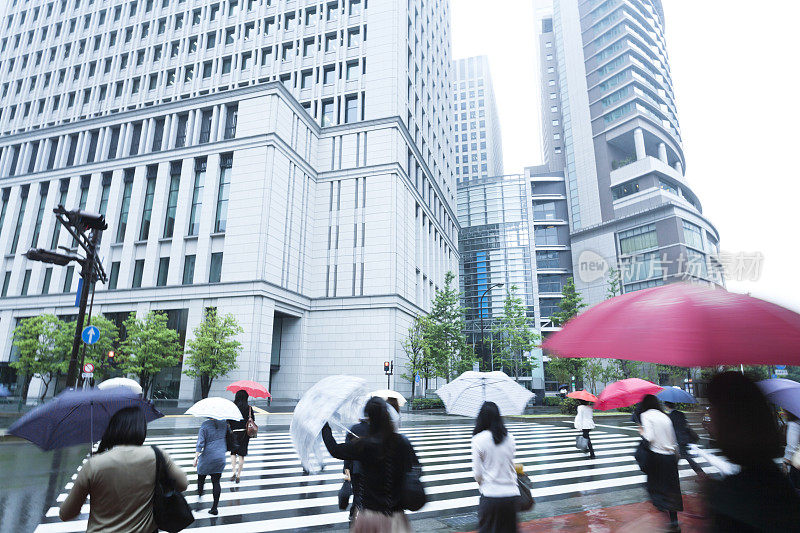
[
  {"x": 389, "y": 472},
  {"x": 584, "y": 422},
  {"x": 243, "y": 430}
]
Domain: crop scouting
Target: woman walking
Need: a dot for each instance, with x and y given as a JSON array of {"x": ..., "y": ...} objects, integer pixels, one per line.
[
  {"x": 493, "y": 467},
  {"x": 119, "y": 479},
  {"x": 209, "y": 457},
  {"x": 663, "y": 483},
  {"x": 240, "y": 437},
  {"x": 385, "y": 458},
  {"x": 584, "y": 422},
  {"x": 792, "y": 445}
]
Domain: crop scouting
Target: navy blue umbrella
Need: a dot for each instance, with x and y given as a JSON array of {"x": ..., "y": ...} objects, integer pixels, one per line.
[
  {"x": 675, "y": 395},
  {"x": 77, "y": 417},
  {"x": 784, "y": 393}
]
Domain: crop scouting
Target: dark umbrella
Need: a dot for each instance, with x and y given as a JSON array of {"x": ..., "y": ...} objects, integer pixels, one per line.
[
  {"x": 784, "y": 393},
  {"x": 675, "y": 395},
  {"x": 77, "y": 417}
]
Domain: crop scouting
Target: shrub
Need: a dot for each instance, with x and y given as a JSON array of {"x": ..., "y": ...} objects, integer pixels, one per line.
[
  {"x": 553, "y": 401},
  {"x": 427, "y": 403},
  {"x": 569, "y": 406}
]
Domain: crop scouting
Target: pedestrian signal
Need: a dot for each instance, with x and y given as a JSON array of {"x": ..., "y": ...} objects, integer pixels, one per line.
[
  {"x": 386, "y": 367},
  {"x": 111, "y": 354}
]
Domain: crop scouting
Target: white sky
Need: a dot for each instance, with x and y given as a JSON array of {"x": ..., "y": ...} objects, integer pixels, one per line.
[{"x": 734, "y": 69}]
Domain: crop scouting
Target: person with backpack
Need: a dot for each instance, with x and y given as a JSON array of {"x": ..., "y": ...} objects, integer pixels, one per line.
[
  {"x": 121, "y": 466},
  {"x": 493, "y": 467},
  {"x": 684, "y": 434},
  {"x": 386, "y": 460},
  {"x": 241, "y": 437},
  {"x": 209, "y": 458}
]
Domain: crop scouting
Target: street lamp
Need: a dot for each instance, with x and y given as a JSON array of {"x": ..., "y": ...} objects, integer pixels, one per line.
[{"x": 480, "y": 304}]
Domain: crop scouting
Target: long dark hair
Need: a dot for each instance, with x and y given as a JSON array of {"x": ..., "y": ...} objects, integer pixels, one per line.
[
  {"x": 649, "y": 402},
  {"x": 489, "y": 418},
  {"x": 127, "y": 426},
  {"x": 241, "y": 402},
  {"x": 743, "y": 423},
  {"x": 380, "y": 424}
]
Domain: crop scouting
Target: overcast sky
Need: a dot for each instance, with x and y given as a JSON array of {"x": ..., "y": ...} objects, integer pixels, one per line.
[{"x": 735, "y": 75}]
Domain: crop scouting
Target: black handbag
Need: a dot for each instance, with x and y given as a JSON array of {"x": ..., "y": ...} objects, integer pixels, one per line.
[
  {"x": 170, "y": 511},
  {"x": 413, "y": 497},
  {"x": 525, "y": 501},
  {"x": 344, "y": 495},
  {"x": 642, "y": 455}
]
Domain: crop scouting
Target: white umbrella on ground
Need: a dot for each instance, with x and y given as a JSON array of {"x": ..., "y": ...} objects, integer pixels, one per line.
[
  {"x": 387, "y": 393},
  {"x": 121, "y": 382},
  {"x": 216, "y": 408},
  {"x": 338, "y": 400},
  {"x": 465, "y": 394}
]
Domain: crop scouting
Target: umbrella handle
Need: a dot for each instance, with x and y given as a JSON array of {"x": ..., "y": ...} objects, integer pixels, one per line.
[{"x": 340, "y": 426}]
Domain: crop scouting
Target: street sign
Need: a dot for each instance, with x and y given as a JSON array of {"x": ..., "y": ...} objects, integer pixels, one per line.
[
  {"x": 80, "y": 291},
  {"x": 87, "y": 375},
  {"x": 779, "y": 372},
  {"x": 780, "y": 367},
  {"x": 88, "y": 368},
  {"x": 90, "y": 334}
]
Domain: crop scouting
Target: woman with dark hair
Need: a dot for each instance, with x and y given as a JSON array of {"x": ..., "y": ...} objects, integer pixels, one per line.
[
  {"x": 744, "y": 425},
  {"x": 240, "y": 437},
  {"x": 119, "y": 479},
  {"x": 663, "y": 483},
  {"x": 209, "y": 457},
  {"x": 584, "y": 422},
  {"x": 385, "y": 458},
  {"x": 493, "y": 467}
]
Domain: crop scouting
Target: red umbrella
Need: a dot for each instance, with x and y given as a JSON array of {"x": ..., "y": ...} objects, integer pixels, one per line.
[
  {"x": 683, "y": 325},
  {"x": 583, "y": 395},
  {"x": 624, "y": 393},
  {"x": 256, "y": 390}
]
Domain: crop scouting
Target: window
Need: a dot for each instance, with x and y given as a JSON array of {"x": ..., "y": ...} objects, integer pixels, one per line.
[
  {"x": 352, "y": 70},
  {"x": 692, "y": 235},
  {"x": 329, "y": 75},
  {"x": 18, "y": 227},
  {"x": 350, "y": 108},
  {"x": 211, "y": 40},
  {"x": 126, "y": 205},
  {"x": 188, "y": 270},
  {"x": 136, "y": 137},
  {"x": 331, "y": 11},
  {"x": 355, "y": 8},
  {"x": 638, "y": 239},
  {"x": 26, "y": 281},
  {"x": 669, "y": 187},
  {"x": 48, "y": 275},
  {"x": 550, "y": 282},
  {"x": 163, "y": 271},
  {"x": 545, "y": 235},
  {"x": 39, "y": 214},
  {"x": 626, "y": 189},
  {"x": 223, "y": 193},
  {"x": 308, "y": 47},
  {"x": 158, "y": 135},
  {"x": 286, "y": 53},
  {"x": 197, "y": 195},
  {"x": 215, "y": 272},
  {"x": 544, "y": 210},
  {"x": 138, "y": 271},
  {"x": 68, "y": 278},
  {"x": 205, "y": 126},
  {"x": 62, "y": 199},
  {"x": 330, "y": 42},
  {"x": 6, "y": 282},
  {"x": 229, "y": 33},
  {"x": 353, "y": 37},
  {"x": 113, "y": 276},
  {"x": 306, "y": 79},
  {"x": 180, "y": 139},
  {"x": 547, "y": 259},
  {"x": 552, "y": 96},
  {"x": 328, "y": 117},
  {"x": 231, "y": 118},
  {"x": 311, "y": 16},
  {"x": 172, "y": 198},
  {"x": 227, "y": 63},
  {"x": 150, "y": 192},
  {"x": 208, "y": 67},
  {"x": 247, "y": 60}
]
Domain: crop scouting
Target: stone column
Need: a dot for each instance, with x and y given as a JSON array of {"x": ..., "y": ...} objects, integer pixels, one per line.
[
  {"x": 215, "y": 114},
  {"x": 638, "y": 140},
  {"x": 662, "y": 152},
  {"x": 679, "y": 167}
]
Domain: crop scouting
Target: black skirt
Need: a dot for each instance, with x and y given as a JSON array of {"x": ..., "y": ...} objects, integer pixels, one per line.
[
  {"x": 240, "y": 442},
  {"x": 497, "y": 515},
  {"x": 663, "y": 484}
]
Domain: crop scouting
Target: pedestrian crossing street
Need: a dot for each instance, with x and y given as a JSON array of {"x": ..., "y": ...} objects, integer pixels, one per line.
[{"x": 275, "y": 495}]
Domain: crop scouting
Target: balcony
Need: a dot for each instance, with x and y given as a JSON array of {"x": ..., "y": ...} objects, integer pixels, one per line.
[{"x": 642, "y": 167}]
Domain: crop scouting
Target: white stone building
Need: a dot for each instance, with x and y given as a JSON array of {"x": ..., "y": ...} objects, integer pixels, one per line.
[{"x": 287, "y": 161}]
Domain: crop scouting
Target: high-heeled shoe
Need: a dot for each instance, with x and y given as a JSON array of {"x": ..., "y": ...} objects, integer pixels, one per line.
[{"x": 237, "y": 478}]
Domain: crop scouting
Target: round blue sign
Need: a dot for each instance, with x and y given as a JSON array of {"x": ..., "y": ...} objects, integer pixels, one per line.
[{"x": 90, "y": 334}]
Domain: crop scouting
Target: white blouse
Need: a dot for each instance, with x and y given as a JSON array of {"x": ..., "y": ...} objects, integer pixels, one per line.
[
  {"x": 493, "y": 465},
  {"x": 584, "y": 420},
  {"x": 657, "y": 429}
]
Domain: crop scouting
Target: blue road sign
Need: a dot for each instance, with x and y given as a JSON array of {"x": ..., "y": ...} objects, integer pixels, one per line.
[
  {"x": 78, "y": 296},
  {"x": 780, "y": 367},
  {"x": 90, "y": 334}
]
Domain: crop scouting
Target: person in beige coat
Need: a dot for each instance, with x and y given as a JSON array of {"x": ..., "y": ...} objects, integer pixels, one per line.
[{"x": 120, "y": 478}]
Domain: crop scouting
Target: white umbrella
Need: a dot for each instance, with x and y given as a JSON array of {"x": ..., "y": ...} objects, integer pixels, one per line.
[
  {"x": 216, "y": 408},
  {"x": 121, "y": 382},
  {"x": 465, "y": 394},
  {"x": 387, "y": 393},
  {"x": 338, "y": 400}
]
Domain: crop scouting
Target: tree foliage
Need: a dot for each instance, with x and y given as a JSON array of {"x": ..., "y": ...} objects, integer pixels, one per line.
[
  {"x": 513, "y": 336},
  {"x": 416, "y": 361},
  {"x": 214, "y": 350},
  {"x": 445, "y": 342},
  {"x": 97, "y": 353},
  {"x": 564, "y": 369},
  {"x": 36, "y": 340},
  {"x": 149, "y": 348}
]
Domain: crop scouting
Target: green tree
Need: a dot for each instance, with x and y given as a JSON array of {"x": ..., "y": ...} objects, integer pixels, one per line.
[
  {"x": 96, "y": 353},
  {"x": 513, "y": 335},
  {"x": 214, "y": 350},
  {"x": 563, "y": 369},
  {"x": 35, "y": 339},
  {"x": 149, "y": 347},
  {"x": 614, "y": 283},
  {"x": 595, "y": 371},
  {"x": 445, "y": 341},
  {"x": 414, "y": 346}
]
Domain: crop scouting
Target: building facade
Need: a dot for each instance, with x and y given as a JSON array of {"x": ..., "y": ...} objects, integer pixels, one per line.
[
  {"x": 610, "y": 128},
  {"x": 478, "y": 143},
  {"x": 269, "y": 158}
]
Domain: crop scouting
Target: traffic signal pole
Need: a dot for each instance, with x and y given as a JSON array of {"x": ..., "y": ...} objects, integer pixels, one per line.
[{"x": 87, "y": 273}]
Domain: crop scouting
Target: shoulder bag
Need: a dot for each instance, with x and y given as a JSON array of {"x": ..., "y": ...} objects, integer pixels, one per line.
[
  {"x": 252, "y": 427},
  {"x": 525, "y": 501},
  {"x": 413, "y": 497},
  {"x": 582, "y": 443},
  {"x": 642, "y": 455},
  {"x": 170, "y": 511}
]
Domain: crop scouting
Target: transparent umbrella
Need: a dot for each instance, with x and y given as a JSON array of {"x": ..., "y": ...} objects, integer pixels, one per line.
[
  {"x": 337, "y": 400},
  {"x": 465, "y": 394}
]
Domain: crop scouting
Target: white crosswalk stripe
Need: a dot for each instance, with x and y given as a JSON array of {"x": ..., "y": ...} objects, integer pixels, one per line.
[{"x": 275, "y": 495}]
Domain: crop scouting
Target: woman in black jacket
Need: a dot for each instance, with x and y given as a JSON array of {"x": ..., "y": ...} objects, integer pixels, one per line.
[
  {"x": 385, "y": 458},
  {"x": 240, "y": 437}
]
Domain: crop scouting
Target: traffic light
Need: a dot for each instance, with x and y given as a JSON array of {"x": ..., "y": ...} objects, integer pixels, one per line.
[
  {"x": 386, "y": 367},
  {"x": 111, "y": 354}
]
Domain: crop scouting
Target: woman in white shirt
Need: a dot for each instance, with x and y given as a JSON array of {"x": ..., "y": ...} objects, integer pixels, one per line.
[
  {"x": 493, "y": 467},
  {"x": 585, "y": 423},
  {"x": 663, "y": 484},
  {"x": 792, "y": 444}
]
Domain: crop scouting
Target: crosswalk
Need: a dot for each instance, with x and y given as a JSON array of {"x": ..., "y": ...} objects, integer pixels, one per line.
[{"x": 275, "y": 495}]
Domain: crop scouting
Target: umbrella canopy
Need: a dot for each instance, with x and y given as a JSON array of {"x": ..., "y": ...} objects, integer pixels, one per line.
[
  {"x": 386, "y": 394},
  {"x": 216, "y": 408},
  {"x": 675, "y": 395},
  {"x": 120, "y": 382},
  {"x": 784, "y": 393},
  {"x": 256, "y": 390},
  {"x": 583, "y": 395},
  {"x": 624, "y": 393},
  {"x": 465, "y": 394},
  {"x": 77, "y": 417},
  {"x": 338, "y": 400},
  {"x": 684, "y": 325}
]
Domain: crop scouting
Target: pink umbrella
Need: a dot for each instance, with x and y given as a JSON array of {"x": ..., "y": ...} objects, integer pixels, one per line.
[
  {"x": 583, "y": 395},
  {"x": 624, "y": 393},
  {"x": 683, "y": 325},
  {"x": 256, "y": 390}
]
